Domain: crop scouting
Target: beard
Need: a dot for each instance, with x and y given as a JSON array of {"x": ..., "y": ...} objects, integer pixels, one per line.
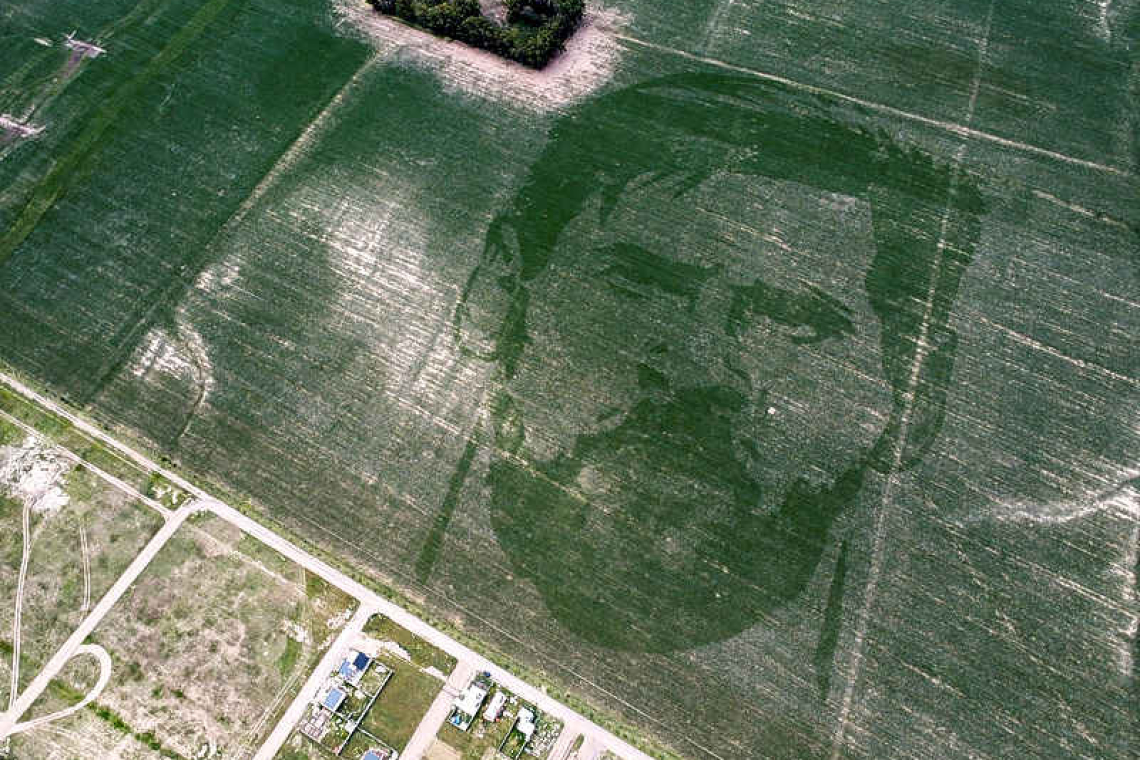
[{"x": 652, "y": 536}]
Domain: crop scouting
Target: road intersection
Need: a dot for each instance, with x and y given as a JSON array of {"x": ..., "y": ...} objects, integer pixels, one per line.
[{"x": 370, "y": 602}]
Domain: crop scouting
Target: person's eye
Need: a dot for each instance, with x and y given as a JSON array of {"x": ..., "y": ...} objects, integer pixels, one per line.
[
  {"x": 637, "y": 272},
  {"x": 808, "y": 317}
]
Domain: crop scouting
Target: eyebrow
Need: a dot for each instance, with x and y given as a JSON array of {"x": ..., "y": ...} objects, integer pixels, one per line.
[
  {"x": 640, "y": 266},
  {"x": 825, "y": 315}
]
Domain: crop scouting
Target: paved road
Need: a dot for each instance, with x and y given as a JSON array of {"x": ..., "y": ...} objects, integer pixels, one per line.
[
  {"x": 74, "y": 642},
  {"x": 425, "y": 733},
  {"x": 308, "y": 692},
  {"x": 573, "y": 721}
]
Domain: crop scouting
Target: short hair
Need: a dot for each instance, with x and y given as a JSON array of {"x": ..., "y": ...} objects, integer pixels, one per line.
[{"x": 926, "y": 215}]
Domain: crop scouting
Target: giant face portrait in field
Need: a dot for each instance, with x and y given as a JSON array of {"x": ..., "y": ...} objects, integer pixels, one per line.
[{"x": 706, "y": 342}]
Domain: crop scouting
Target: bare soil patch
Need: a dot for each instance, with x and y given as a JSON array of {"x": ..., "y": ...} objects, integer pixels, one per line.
[{"x": 589, "y": 61}]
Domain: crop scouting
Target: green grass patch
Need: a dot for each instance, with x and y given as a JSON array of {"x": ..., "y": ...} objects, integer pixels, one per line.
[
  {"x": 30, "y": 414},
  {"x": 288, "y": 658},
  {"x": 401, "y": 706},
  {"x": 10, "y": 435},
  {"x": 423, "y": 654}
]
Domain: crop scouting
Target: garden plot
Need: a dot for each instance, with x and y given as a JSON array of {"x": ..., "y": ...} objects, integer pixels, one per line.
[
  {"x": 211, "y": 644},
  {"x": 382, "y": 685}
]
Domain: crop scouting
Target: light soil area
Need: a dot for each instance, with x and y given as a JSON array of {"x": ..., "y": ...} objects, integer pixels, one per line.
[
  {"x": 589, "y": 61},
  {"x": 209, "y": 646},
  {"x": 440, "y": 751}
]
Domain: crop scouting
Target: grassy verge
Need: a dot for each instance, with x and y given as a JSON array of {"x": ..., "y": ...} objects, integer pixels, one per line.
[{"x": 423, "y": 654}]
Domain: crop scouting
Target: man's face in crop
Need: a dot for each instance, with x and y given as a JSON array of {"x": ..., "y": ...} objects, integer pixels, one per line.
[{"x": 699, "y": 390}]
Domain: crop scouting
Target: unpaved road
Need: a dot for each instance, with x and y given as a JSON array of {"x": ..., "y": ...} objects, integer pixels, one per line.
[
  {"x": 21, "y": 582},
  {"x": 327, "y": 665},
  {"x": 104, "y": 659},
  {"x": 573, "y": 722},
  {"x": 74, "y": 643},
  {"x": 433, "y": 719}
]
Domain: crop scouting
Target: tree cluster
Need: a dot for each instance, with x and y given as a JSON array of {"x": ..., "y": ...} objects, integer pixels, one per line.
[{"x": 536, "y": 30}]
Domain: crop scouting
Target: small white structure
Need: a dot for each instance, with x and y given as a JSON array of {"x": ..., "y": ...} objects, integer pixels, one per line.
[
  {"x": 470, "y": 700},
  {"x": 495, "y": 706},
  {"x": 467, "y": 706},
  {"x": 525, "y": 724},
  {"x": 85, "y": 49},
  {"x": 11, "y": 125}
]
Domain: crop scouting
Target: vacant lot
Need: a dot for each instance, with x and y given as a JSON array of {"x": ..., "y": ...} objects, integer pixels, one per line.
[
  {"x": 402, "y": 704},
  {"x": 211, "y": 645},
  {"x": 782, "y": 391},
  {"x": 83, "y": 533}
]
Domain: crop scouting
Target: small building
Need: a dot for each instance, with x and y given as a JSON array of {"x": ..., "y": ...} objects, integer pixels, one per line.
[
  {"x": 467, "y": 706},
  {"x": 377, "y": 753},
  {"x": 354, "y": 667},
  {"x": 495, "y": 706},
  {"x": 334, "y": 699},
  {"x": 526, "y": 724},
  {"x": 316, "y": 724}
]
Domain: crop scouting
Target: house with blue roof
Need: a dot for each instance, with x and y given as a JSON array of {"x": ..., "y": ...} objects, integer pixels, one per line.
[
  {"x": 334, "y": 699},
  {"x": 354, "y": 667}
]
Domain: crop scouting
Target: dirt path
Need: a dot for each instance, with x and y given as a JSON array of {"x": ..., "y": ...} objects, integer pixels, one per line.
[
  {"x": 74, "y": 644},
  {"x": 85, "y": 553},
  {"x": 19, "y": 603},
  {"x": 73, "y": 457},
  {"x": 100, "y": 654}
]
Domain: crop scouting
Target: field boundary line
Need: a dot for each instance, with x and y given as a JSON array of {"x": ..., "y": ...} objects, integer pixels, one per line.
[
  {"x": 921, "y": 352},
  {"x": 961, "y": 130}
]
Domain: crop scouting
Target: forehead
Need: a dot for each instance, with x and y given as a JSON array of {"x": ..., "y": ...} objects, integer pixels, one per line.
[{"x": 747, "y": 227}]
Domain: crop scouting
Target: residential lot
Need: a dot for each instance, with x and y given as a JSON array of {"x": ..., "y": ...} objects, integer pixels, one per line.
[
  {"x": 489, "y": 721},
  {"x": 375, "y": 697}
]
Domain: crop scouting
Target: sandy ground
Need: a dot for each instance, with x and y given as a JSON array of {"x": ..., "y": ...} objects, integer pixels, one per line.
[{"x": 589, "y": 61}]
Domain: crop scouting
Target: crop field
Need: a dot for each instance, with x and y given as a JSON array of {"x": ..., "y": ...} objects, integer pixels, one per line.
[
  {"x": 208, "y": 649},
  {"x": 764, "y": 374}
]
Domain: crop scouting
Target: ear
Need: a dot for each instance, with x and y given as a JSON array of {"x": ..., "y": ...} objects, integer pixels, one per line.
[
  {"x": 489, "y": 319},
  {"x": 923, "y": 247}
]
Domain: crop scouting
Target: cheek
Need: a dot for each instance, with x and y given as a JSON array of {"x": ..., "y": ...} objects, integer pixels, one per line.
[
  {"x": 821, "y": 406},
  {"x": 580, "y": 361}
]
